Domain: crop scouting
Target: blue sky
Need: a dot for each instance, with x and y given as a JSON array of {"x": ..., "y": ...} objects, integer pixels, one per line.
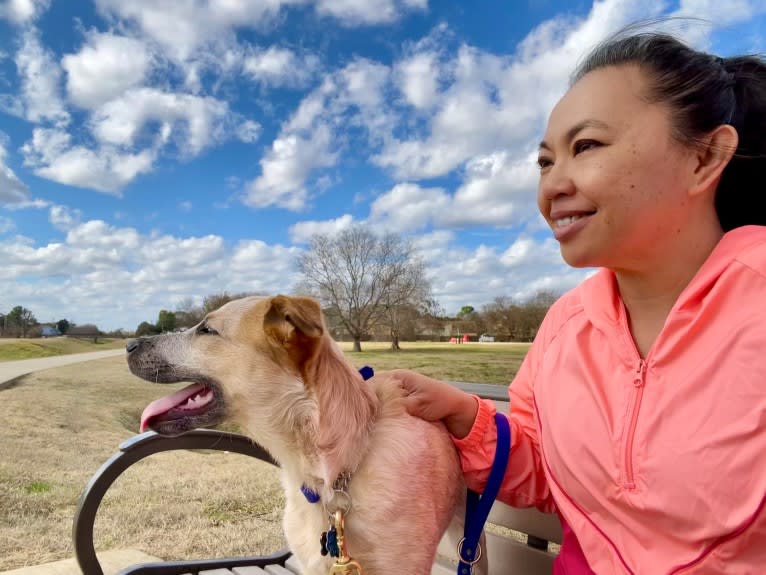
[{"x": 157, "y": 151}]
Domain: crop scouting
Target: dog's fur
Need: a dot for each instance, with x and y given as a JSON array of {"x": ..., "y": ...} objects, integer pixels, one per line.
[{"x": 276, "y": 372}]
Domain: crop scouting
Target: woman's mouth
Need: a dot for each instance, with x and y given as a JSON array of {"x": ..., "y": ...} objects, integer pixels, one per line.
[{"x": 565, "y": 227}]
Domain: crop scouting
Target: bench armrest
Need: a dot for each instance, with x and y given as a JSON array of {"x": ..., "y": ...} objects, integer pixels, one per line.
[{"x": 131, "y": 451}]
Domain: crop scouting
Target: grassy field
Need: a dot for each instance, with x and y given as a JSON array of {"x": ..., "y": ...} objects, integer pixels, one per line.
[
  {"x": 60, "y": 425},
  {"x": 12, "y": 349}
]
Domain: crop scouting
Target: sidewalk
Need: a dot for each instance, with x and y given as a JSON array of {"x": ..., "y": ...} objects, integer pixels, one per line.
[
  {"x": 13, "y": 369},
  {"x": 111, "y": 562}
]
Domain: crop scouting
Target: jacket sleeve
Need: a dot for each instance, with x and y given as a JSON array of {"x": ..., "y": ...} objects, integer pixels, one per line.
[{"x": 524, "y": 484}]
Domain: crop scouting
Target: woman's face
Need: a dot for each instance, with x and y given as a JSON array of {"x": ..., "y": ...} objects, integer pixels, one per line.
[{"x": 613, "y": 180}]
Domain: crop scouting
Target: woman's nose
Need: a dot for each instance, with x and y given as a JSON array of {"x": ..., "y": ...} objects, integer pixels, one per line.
[{"x": 555, "y": 183}]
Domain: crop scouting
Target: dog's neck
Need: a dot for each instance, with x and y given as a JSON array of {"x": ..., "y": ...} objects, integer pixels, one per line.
[{"x": 319, "y": 423}]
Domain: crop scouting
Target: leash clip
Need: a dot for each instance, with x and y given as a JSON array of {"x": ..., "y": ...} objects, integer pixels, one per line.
[{"x": 460, "y": 552}]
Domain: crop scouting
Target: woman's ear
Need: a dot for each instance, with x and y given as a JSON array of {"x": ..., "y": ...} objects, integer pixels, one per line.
[{"x": 713, "y": 155}]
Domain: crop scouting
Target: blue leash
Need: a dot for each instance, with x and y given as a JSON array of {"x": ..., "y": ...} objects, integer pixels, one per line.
[{"x": 477, "y": 508}]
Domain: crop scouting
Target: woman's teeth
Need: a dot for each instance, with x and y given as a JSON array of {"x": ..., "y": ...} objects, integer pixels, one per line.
[{"x": 561, "y": 222}]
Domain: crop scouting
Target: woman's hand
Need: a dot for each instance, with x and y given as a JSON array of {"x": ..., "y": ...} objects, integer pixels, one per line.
[{"x": 435, "y": 400}]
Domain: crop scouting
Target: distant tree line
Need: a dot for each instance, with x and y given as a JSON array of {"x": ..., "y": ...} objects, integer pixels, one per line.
[
  {"x": 21, "y": 322},
  {"x": 376, "y": 287},
  {"x": 187, "y": 313}
]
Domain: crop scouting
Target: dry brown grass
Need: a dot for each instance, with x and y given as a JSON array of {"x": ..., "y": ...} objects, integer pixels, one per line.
[{"x": 59, "y": 426}]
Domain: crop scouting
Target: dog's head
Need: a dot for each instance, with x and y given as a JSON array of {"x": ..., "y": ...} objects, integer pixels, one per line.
[
  {"x": 238, "y": 350},
  {"x": 267, "y": 364}
]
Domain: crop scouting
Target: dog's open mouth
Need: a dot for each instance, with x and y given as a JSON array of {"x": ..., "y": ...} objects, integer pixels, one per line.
[{"x": 196, "y": 405}]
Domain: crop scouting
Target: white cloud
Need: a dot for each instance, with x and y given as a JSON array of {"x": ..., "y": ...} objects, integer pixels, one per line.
[
  {"x": 6, "y": 225},
  {"x": 461, "y": 276},
  {"x": 105, "y": 68},
  {"x": 496, "y": 191},
  {"x": 185, "y": 27},
  {"x": 309, "y": 141},
  {"x": 195, "y": 122},
  {"x": 51, "y": 154},
  {"x": 408, "y": 207},
  {"x": 487, "y": 102},
  {"x": 248, "y": 131},
  {"x": 78, "y": 277},
  {"x": 12, "y": 189},
  {"x": 40, "y": 75},
  {"x": 301, "y": 232},
  {"x": 418, "y": 79},
  {"x": 721, "y": 13},
  {"x": 280, "y": 67},
  {"x": 363, "y": 12},
  {"x": 22, "y": 11},
  {"x": 256, "y": 266},
  {"x": 64, "y": 218},
  {"x": 362, "y": 86},
  {"x": 287, "y": 165}
]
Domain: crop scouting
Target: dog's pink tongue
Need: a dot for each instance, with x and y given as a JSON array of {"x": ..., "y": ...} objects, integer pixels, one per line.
[{"x": 167, "y": 403}]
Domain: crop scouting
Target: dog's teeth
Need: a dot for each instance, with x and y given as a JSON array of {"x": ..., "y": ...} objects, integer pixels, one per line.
[{"x": 197, "y": 400}]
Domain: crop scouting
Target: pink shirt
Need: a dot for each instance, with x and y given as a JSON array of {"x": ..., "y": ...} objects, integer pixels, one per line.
[{"x": 657, "y": 465}]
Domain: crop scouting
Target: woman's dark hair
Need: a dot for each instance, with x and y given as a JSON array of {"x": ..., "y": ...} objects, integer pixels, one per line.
[{"x": 703, "y": 91}]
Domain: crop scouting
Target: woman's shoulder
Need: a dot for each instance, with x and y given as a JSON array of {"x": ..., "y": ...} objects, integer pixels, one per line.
[
  {"x": 570, "y": 304},
  {"x": 753, "y": 250}
]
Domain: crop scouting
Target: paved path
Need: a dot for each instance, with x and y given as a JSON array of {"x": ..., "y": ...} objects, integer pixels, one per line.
[
  {"x": 12, "y": 369},
  {"x": 111, "y": 562}
]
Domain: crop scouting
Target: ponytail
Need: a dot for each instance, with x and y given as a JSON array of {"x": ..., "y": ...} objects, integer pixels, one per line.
[{"x": 741, "y": 196}]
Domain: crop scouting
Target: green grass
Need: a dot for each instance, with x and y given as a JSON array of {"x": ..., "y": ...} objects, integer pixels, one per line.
[
  {"x": 38, "y": 487},
  {"x": 15, "y": 349},
  {"x": 474, "y": 362}
]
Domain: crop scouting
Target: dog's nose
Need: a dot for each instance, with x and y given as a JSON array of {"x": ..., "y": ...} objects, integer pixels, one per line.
[{"x": 131, "y": 345}]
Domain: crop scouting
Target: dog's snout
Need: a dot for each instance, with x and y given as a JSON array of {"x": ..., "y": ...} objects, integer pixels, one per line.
[{"x": 131, "y": 345}]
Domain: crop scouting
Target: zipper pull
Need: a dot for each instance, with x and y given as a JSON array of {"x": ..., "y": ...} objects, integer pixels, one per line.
[{"x": 638, "y": 379}]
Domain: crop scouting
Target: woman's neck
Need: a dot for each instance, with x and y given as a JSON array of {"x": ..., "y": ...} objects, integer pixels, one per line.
[{"x": 650, "y": 291}]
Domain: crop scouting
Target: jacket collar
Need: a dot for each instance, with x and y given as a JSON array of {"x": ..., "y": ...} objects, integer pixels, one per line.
[{"x": 601, "y": 297}]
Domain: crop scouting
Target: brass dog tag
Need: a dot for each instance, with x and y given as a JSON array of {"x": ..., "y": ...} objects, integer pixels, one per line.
[
  {"x": 345, "y": 565},
  {"x": 350, "y": 567}
]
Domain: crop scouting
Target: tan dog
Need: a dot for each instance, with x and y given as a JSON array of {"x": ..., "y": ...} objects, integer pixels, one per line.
[{"x": 269, "y": 365}]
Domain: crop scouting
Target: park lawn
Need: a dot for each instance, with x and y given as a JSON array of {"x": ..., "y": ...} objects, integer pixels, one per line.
[
  {"x": 12, "y": 349},
  {"x": 475, "y": 362},
  {"x": 60, "y": 425}
]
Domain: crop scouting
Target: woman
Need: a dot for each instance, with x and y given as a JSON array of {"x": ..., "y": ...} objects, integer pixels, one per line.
[{"x": 639, "y": 413}]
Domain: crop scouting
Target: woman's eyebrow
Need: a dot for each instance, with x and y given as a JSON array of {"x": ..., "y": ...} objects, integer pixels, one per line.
[{"x": 577, "y": 128}]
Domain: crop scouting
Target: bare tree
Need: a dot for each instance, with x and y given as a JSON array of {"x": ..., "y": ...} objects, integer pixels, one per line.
[
  {"x": 408, "y": 297},
  {"x": 188, "y": 313},
  {"x": 363, "y": 278}
]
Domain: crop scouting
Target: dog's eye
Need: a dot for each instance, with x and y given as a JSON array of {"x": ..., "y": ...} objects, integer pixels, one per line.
[{"x": 205, "y": 329}]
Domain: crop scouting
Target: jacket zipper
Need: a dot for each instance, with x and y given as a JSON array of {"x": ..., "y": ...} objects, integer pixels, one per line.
[{"x": 635, "y": 405}]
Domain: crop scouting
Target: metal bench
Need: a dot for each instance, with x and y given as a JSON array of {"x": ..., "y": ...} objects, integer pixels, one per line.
[{"x": 526, "y": 552}]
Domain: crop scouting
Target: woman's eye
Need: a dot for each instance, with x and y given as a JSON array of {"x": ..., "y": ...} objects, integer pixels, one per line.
[
  {"x": 543, "y": 163},
  {"x": 585, "y": 145}
]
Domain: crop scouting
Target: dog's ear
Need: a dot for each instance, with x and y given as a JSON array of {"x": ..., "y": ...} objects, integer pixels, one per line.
[{"x": 289, "y": 318}]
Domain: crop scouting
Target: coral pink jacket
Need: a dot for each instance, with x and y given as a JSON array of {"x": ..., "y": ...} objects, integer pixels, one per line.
[{"x": 657, "y": 465}]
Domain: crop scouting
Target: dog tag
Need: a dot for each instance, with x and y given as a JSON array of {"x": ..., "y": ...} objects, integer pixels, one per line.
[
  {"x": 345, "y": 565},
  {"x": 349, "y": 567}
]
